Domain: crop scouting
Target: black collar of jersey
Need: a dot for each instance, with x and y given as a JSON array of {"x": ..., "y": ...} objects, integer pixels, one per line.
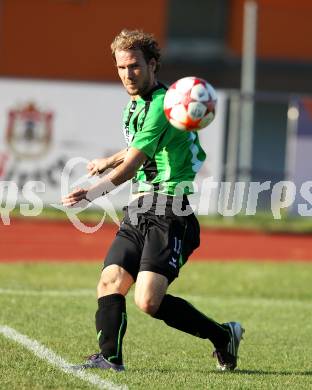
[{"x": 148, "y": 96}]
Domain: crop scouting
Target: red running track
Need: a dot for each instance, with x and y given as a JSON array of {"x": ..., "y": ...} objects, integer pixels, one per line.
[{"x": 35, "y": 240}]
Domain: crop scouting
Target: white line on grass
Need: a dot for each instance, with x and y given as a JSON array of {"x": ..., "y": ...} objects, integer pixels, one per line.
[
  {"x": 51, "y": 293},
  {"x": 250, "y": 300},
  {"x": 57, "y": 361}
]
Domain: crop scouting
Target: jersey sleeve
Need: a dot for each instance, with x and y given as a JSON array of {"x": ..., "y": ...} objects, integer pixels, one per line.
[{"x": 154, "y": 126}]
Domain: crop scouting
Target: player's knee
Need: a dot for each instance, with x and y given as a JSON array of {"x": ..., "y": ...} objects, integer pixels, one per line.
[
  {"x": 114, "y": 280},
  {"x": 148, "y": 306},
  {"x": 108, "y": 285}
]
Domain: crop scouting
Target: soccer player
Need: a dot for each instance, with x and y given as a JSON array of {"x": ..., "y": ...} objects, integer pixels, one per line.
[{"x": 152, "y": 245}]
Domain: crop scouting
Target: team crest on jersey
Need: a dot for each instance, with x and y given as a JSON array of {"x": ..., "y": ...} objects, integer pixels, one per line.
[{"x": 29, "y": 131}]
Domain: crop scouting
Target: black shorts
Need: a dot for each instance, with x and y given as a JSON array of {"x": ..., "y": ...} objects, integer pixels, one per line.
[{"x": 156, "y": 243}]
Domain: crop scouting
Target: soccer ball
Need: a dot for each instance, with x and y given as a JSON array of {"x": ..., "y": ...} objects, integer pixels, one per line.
[{"x": 190, "y": 104}]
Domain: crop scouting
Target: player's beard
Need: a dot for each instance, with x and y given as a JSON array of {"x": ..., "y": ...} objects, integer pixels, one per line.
[{"x": 143, "y": 90}]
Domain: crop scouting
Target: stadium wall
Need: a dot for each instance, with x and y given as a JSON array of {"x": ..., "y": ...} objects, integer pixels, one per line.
[
  {"x": 283, "y": 29},
  {"x": 70, "y": 39}
]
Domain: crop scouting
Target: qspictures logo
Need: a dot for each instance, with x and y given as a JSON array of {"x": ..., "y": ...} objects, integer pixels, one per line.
[{"x": 34, "y": 165}]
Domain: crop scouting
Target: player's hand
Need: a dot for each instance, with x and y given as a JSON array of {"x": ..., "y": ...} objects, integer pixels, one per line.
[
  {"x": 97, "y": 166},
  {"x": 77, "y": 198}
]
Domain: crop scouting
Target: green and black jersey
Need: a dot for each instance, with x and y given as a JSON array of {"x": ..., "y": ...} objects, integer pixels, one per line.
[{"x": 174, "y": 156}]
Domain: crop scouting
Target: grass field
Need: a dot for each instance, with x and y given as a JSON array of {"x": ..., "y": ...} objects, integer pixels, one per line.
[{"x": 55, "y": 304}]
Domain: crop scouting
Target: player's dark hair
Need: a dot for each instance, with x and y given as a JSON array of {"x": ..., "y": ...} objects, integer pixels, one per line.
[{"x": 138, "y": 40}]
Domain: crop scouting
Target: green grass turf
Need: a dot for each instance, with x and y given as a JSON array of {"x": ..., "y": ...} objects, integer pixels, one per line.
[{"x": 55, "y": 304}]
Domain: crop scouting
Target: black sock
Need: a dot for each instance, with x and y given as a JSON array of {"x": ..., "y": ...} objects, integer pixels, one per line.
[
  {"x": 180, "y": 314},
  {"x": 111, "y": 325}
]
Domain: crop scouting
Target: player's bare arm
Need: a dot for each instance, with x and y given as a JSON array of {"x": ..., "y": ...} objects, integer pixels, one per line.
[
  {"x": 126, "y": 170},
  {"x": 99, "y": 165}
]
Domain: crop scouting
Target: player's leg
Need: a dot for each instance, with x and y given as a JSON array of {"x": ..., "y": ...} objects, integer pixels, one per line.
[
  {"x": 150, "y": 289},
  {"x": 168, "y": 244},
  {"x": 114, "y": 280},
  {"x": 178, "y": 313},
  {"x": 151, "y": 297},
  {"x": 119, "y": 273},
  {"x": 120, "y": 270},
  {"x": 111, "y": 316}
]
